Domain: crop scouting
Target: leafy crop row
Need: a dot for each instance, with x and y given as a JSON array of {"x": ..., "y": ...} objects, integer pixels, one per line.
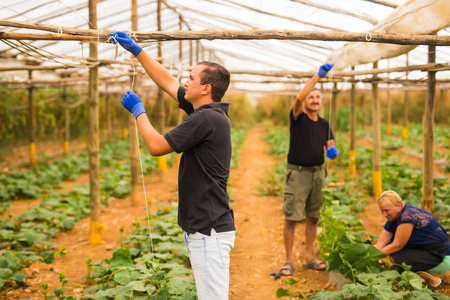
[{"x": 343, "y": 242}]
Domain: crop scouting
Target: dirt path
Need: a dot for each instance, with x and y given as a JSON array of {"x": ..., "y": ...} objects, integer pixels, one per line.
[{"x": 259, "y": 248}]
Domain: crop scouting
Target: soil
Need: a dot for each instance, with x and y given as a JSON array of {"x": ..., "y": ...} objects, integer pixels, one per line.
[{"x": 259, "y": 247}]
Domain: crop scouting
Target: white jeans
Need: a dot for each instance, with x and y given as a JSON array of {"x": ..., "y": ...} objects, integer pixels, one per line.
[{"x": 210, "y": 260}]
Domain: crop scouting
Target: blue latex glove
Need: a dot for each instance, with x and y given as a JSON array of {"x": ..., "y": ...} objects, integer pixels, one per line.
[
  {"x": 126, "y": 42},
  {"x": 323, "y": 70},
  {"x": 133, "y": 103},
  {"x": 332, "y": 152}
]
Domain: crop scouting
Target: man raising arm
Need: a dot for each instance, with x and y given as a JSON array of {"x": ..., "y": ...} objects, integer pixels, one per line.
[{"x": 204, "y": 137}]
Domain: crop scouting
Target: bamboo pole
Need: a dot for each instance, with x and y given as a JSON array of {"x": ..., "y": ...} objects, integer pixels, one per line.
[
  {"x": 388, "y": 111},
  {"x": 405, "y": 107},
  {"x": 179, "y": 111},
  {"x": 352, "y": 152},
  {"x": 108, "y": 115},
  {"x": 385, "y": 3},
  {"x": 405, "y": 115},
  {"x": 90, "y": 35},
  {"x": 441, "y": 104},
  {"x": 376, "y": 163},
  {"x": 334, "y": 108},
  {"x": 134, "y": 151},
  {"x": 96, "y": 228},
  {"x": 162, "y": 160},
  {"x": 428, "y": 137},
  {"x": 291, "y": 73},
  {"x": 31, "y": 124},
  {"x": 66, "y": 122}
]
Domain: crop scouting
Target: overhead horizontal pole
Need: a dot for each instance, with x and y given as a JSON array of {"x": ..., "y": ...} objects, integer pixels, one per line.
[
  {"x": 91, "y": 35},
  {"x": 340, "y": 74}
]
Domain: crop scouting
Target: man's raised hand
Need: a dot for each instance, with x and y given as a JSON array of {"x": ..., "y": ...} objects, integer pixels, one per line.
[
  {"x": 323, "y": 70},
  {"x": 133, "y": 104},
  {"x": 126, "y": 42}
]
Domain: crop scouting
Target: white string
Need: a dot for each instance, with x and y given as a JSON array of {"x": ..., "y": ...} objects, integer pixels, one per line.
[
  {"x": 139, "y": 151},
  {"x": 143, "y": 185},
  {"x": 122, "y": 52}
]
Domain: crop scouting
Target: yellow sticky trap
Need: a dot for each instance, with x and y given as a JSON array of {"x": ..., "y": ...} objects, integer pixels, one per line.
[
  {"x": 388, "y": 129},
  {"x": 32, "y": 154},
  {"x": 405, "y": 133},
  {"x": 376, "y": 182},
  {"x": 66, "y": 147},
  {"x": 352, "y": 162},
  {"x": 125, "y": 133},
  {"x": 96, "y": 233},
  {"x": 162, "y": 163}
]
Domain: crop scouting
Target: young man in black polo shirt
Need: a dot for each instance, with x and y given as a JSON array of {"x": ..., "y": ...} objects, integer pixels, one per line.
[
  {"x": 204, "y": 137},
  {"x": 305, "y": 175}
]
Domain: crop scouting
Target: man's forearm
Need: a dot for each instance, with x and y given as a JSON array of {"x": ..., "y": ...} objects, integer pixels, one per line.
[
  {"x": 159, "y": 74},
  {"x": 156, "y": 144}
]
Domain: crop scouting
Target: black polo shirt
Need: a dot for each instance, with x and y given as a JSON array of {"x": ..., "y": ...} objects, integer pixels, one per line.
[
  {"x": 307, "y": 140},
  {"x": 204, "y": 137}
]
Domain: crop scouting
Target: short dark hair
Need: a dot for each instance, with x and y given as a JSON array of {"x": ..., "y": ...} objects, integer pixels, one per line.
[{"x": 218, "y": 77}]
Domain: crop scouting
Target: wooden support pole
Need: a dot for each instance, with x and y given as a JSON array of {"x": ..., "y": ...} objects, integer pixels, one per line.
[
  {"x": 352, "y": 152},
  {"x": 405, "y": 115},
  {"x": 91, "y": 35},
  {"x": 388, "y": 109},
  {"x": 405, "y": 107},
  {"x": 334, "y": 108},
  {"x": 441, "y": 106},
  {"x": 363, "y": 111},
  {"x": 428, "y": 137},
  {"x": 108, "y": 126},
  {"x": 179, "y": 111},
  {"x": 96, "y": 229},
  {"x": 134, "y": 150},
  {"x": 388, "y": 112},
  {"x": 376, "y": 162},
  {"x": 31, "y": 124},
  {"x": 162, "y": 160},
  {"x": 66, "y": 122}
]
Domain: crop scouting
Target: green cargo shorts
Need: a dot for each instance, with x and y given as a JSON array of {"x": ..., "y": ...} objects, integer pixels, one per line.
[{"x": 303, "y": 192}]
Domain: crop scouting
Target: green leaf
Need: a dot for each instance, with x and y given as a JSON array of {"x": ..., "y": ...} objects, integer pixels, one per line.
[
  {"x": 5, "y": 273},
  {"x": 137, "y": 286},
  {"x": 325, "y": 295},
  {"x": 121, "y": 258},
  {"x": 122, "y": 277},
  {"x": 334, "y": 261},
  {"x": 420, "y": 295},
  {"x": 48, "y": 256},
  {"x": 283, "y": 292},
  {"x": 187, "y": 295},
  {"x": 19, "y": 277},
  {"x": 9, "y": 260},
  {"x": 180, "y": 285},
  {"x": 59, "y": 292},
  {"x": 162, "y": 295}
]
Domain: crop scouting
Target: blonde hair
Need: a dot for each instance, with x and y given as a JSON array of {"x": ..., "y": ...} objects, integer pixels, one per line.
[{"x": 390, "y": 197}]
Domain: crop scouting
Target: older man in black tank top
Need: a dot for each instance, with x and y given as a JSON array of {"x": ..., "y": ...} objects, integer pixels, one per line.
[{"x": 305, "y": 176}]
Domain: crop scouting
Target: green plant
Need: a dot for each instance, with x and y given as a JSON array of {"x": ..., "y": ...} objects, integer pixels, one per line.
[
  {"x": 59, "y": 292},
  {"x": 282, "y": 292}
]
